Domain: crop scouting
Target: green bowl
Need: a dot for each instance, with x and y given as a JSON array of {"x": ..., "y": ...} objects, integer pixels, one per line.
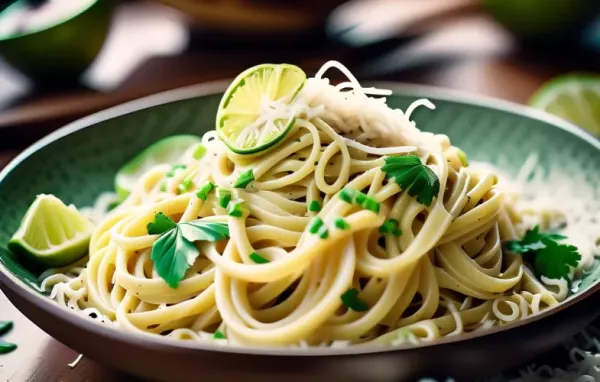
[
  {"x": 61, "y": 51},
  {"x": 79, "y": 162}
]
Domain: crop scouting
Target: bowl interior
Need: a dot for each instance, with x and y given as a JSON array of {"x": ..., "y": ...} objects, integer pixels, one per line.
[{"x": 80, "y": 161}]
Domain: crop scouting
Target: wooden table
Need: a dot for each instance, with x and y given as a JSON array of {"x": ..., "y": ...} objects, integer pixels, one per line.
[{"x": 502, "y": 72}]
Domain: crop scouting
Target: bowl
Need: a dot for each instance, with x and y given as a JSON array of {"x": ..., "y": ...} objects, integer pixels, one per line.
[
  {"x": 79, "y": 161},
  {"x": 60, "y": 51}
]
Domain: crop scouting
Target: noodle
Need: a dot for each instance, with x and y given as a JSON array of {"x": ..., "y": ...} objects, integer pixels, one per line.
[{"x": 446, "y": 274}]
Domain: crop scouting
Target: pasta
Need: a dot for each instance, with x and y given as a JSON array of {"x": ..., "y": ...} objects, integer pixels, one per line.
[{"x": 330, "y": 251}]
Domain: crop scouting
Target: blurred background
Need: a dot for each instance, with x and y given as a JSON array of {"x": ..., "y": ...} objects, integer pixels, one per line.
[{"x": 63, "y": 59}]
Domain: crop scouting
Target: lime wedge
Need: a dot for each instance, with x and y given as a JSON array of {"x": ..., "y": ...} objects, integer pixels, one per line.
[
  {"x": 167, "y": 150},
  {"x": 573, "y": 97},
  {"x": 52, "y": 234},
  {"x": 252, "y": 116}
]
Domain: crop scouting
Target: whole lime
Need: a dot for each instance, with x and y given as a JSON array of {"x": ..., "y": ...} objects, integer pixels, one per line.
[
  {"x": 61, "y": 49},
  {"x": 544, "y": 19}
]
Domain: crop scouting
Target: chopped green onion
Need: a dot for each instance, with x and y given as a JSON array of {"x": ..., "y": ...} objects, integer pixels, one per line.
[
  {"x": 350, "y": 195},
  {"x": 462, "y": 156},
  {"x": 174, "y": 168},
  {"x": 341, "y": 223},
  {"x": 258, "y": 259},
  {"x": 347, "y": 194},
  {"x": 224, "y": 197},
  {"x": 315, "y": 225},
  {"x": 163, "y": 187},
  {"x": 351, "y": 301},
  {"x": 205, "y": 190},
  {"x": 219, "y": 335},
  {"x": 323, "y": 232},
  {"x": 199, "y": 151},
  {"x": 244, "y": 179},
  {"x": 237, "y": 209},
  {"x": 314, "y": 206},
  {"x": 187, "y": 183}
]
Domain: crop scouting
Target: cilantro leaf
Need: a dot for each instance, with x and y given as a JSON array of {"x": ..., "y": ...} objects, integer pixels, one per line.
[
  {"x": 414, "y": 176},
  {"x": 532, "y": 241},
  {"x": 548, "y": 257},
  {"x": 554, "y": 260},
  {"x": 175, "y": 252},
  {"x": 351, "y": 301},
  {"x": 161, "y": 224}
]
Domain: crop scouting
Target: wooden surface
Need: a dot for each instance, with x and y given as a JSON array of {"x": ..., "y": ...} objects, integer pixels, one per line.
[{"x": 499, "y": 69}]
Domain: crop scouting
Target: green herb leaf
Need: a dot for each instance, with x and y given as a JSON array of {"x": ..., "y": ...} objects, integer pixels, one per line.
[
  {"x": 237, "y": 209},
  {"x": 351, "y": 301},
  {"x": 161, "y": 224},
  {"x": 199, "y": 230},
  {"x": 163, "y": 187},
  {"x": 414, "y": 176},
  {"x": 199, "y": 151},
  {"x": 175, "y": 252},
  {"x": 244, "y": 179},
  {"x": 219, "y": 335},
  {"x": 205, "y": 190},
  {"x": 5, "y": 327},
  {"x": 554, "y": 260},
  {"x": 6, "y": 347},
  {"x": 224, "y": 197},
  {"x": 314, "y": 206},
  {"x": 187, "y": 184},
  {"x": 548, "y": 257},
  {"x": 174, "y": 169},
  {"x": 352, "y": 196},
  {"x": 532, "y": 241},
  {"x": 390, "y": 226},
  {"x": 341, "y": 223},
  {"x": 258, "y": 259}
]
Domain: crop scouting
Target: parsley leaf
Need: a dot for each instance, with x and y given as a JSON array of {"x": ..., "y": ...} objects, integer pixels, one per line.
[
  {"x": 414, "y": 176},
  {"x": 548, "y": 257},
  {"x": 554, "y": 260},
  {"x": 219, "y": 335},
  {"x": 161, "y": 224},
  {"x": 351, "y": 301},
  {"x": 6, "y": 347},
  {"x": 175, "y": 251}
]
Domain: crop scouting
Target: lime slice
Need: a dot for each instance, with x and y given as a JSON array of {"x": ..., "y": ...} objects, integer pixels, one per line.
[
  {"x": 573, "y": 97},
  {"x": 167, "y": 150},
  {"x": 51, "y": 234},
  {"x": 252, "y": 116}
]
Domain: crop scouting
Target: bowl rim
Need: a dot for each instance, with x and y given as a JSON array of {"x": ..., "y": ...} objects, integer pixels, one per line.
[
  {"x": 20, "y": 288},
  {"x": 14, "y": 36}
]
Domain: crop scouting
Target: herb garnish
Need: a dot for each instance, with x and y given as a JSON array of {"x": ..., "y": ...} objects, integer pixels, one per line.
[
  {"x": 318, "y": 227},
  {"x": 237, "y": 209},
  {"x": 351, "y": 301},
  {"x": 6, "y": 347},
  {"x": 258, "y": 259},
  {"x": 219, "y": 335},
  {"x": 414, "y": 176},
  {"x": 174, "y": 169},
  {"x": 175, "y": 252},
  {"x": 224, "y": 197},
  {"x": 314, "y": 206},
  {"x": 341, "y": 223},
  {"x": 205, "y": 190},
  {"x": 352, "y": 196},
  {"x": 548, "y": 257},
  {"x": 390, "y": 226},
  {"x": 244, "y": 180}
]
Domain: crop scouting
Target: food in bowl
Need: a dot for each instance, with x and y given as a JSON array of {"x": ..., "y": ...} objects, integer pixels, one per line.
[{"x": 313, "y": 215}]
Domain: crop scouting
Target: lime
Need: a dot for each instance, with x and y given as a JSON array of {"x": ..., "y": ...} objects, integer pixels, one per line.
[
  {"x": 573, "y": 97},
  {"x": 250, "y": 117},
  {"x": 165, "y": 151},
  {"x": 52, "y": 234}
]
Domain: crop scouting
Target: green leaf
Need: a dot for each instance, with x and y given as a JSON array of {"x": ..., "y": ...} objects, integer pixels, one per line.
[
  {"x": 205, "y": 190},
  {"x": 219, "y": 335},
  {"x": 5, "y": 327},
  {"x": 6, "y": 347},
  {"x": 414, "y": 176},
  {"x": 244, "y": 179},
  {"x": 199, "y": 230},
  {"x": 161, "y": 224},
  {"x": 555, "y": 260},
  {"x": 532, "y": 241},
  {"x": 351, "y": 301},
  {"x": 173, "y": 255},
  {"x": 258, "y": 259}
]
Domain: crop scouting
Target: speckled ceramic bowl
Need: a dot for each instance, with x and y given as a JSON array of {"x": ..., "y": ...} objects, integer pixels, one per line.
[{"x": 79, "y": 161}]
